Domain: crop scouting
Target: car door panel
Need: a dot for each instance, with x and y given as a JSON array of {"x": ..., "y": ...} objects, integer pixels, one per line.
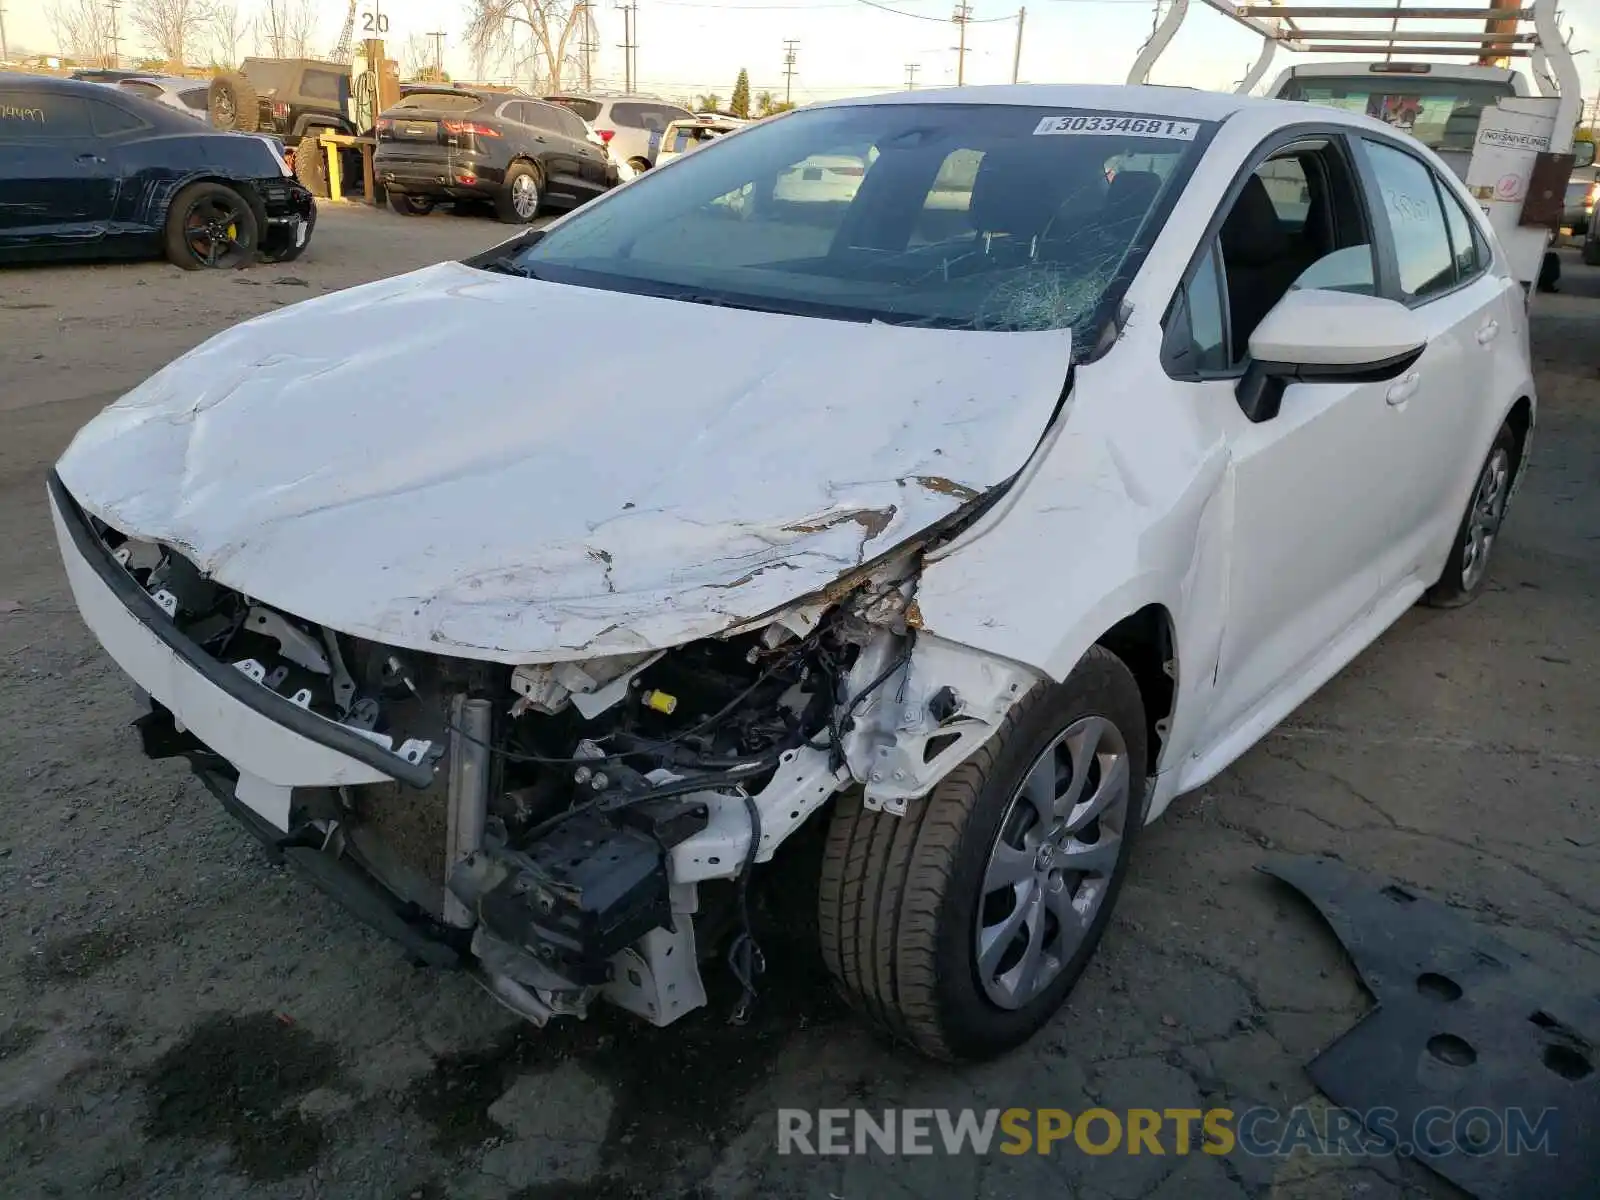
[
  {"x": 1308, "y": 530},
  {"x": 60, "y": 185}
]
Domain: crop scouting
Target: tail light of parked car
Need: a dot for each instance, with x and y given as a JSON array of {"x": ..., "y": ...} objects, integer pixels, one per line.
[
  {"x": 465, "y": 133},
  {"x": 606, "y": 134},
  {"x": 280, "y": 110}
]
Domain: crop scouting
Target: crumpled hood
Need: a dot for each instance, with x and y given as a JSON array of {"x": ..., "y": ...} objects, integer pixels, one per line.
[{"x": 482, "y": 465}]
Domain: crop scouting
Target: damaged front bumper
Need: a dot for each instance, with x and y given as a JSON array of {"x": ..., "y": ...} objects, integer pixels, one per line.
[
  {"x": 422, "y": 835},
  {"x": 291, "y": 212}
]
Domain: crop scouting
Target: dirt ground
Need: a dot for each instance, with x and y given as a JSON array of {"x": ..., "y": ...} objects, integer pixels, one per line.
[{"x": 179, "y": 1018}]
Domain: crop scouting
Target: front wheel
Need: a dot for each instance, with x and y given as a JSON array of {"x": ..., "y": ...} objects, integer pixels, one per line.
[
  {"x": 518, "y": 203},
  {"x": 211, "y": 225},
  {"x": 1468, "y": 564},
  {"x": 961, "y": 926}
]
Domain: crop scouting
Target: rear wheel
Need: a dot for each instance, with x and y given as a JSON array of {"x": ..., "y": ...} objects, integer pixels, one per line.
[
  {"x": 232, "y": 103},
  {"x": 961, "y": 926},
  {"x": 211, "y": 225},
  {"x": 1591, "y": 252},
  {"x": 410, "y": 206},
  {"x": 311, "y": 165},
  {"x": 519, "y": 201},
  {"x": 1468, "y": 564}
]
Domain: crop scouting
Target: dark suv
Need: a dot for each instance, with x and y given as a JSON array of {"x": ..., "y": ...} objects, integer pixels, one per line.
[{"x": 509, "y": 149}]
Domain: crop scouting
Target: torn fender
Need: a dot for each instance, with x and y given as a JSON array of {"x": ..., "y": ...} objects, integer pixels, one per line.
[{"x": 441, "y": 461}]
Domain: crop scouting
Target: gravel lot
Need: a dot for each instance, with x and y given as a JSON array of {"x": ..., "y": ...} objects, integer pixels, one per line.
[{"x": 180, "y": 1018}]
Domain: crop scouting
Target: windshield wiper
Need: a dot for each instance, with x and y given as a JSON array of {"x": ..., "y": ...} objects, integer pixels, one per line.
[{"x": 505, "y": 265}]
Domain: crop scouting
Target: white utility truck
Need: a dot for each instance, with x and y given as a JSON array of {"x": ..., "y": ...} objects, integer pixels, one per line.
[{"x": 1511, "y": 142}]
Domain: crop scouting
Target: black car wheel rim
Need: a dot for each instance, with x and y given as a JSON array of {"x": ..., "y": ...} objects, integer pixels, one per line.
[
  {"x": 211, "y": 230},
  {"x": 224, "y": 108}
]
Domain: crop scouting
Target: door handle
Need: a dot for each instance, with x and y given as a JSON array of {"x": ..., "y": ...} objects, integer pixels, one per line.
[
  {"x": 1488, "y": 332},
  {"x": 90, "y": 158},
  {"x": 1404, "y": 388}
]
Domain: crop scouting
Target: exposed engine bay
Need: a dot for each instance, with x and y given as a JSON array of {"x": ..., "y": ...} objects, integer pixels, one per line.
[{"x": 577, "y": 807}]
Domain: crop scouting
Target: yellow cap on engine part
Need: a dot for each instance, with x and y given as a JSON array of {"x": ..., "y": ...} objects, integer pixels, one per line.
[{"x": 662, "y": 702}]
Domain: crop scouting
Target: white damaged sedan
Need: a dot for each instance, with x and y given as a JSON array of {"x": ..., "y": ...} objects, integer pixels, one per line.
[{"x": 1034, "y": 477}]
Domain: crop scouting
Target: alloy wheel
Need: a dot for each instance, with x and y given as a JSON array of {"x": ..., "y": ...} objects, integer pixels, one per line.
[
  {"x": 1483, "y": 525},
  {"x": 525, "y": 196},
  {"x": 211, "y": 230},
  {"x": 1052, "y": 862}
]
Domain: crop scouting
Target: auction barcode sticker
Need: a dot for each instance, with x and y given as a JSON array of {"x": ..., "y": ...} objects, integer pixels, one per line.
[{"x": 1109, "y": 125}]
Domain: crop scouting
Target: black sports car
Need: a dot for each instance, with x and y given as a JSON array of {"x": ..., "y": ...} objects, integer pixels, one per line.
[{"x": 91, "y": 172}]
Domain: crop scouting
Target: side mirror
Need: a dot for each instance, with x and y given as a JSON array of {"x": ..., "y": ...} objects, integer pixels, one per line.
[
  {"x": 1582, "y": 154},
  {"x": 1315, "y": 336}
]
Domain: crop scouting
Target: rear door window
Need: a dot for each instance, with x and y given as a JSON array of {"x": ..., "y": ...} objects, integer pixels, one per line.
[
  {"x": 140, "y": 87},
  {"x": 38, "y": 116},
  {"x": 654, "y": 117},
  {"x": 566, "y": 123},
  {"x": 109, "y": 119},
  {"x": 1411, "y": 202}
]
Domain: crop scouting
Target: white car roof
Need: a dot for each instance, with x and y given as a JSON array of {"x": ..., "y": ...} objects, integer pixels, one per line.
[{"x": 1157, "y": 101}]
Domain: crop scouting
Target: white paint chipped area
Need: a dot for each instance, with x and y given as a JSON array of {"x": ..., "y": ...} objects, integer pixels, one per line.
[{"x": 480, "y": 464}]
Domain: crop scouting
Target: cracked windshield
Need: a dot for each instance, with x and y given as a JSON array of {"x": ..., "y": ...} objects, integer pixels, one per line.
[{"x": 948, "y": 216}]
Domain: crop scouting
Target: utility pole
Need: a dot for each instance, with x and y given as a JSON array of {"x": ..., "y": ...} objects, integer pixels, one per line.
[
  {"x": 1016, "y": 58},
  {"x": 628, "y": 45},
  {"x": 5, "y": 53},
  {"x": 962, "y": 16},
  {"x": 116, "y": 39},
  {"x": 790, "y": 45},
  {"x": 586, "y": 43},
  {"x": 438, "y": 55},
  {"x": 911, "y": 76}
]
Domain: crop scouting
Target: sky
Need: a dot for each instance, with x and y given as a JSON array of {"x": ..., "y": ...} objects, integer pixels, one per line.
[{"x": 854, "y": 46}]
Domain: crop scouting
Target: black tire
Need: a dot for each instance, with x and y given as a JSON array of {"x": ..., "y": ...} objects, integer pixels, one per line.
[
  {"x": 899, "y": 897},
  {"x": 232, "y": 103},
  {"x": 1464, "y": 576},
  {"x": 640, "y": 165},
  {"x": 1591, "y": 252},
  {"x": 211, "y": 225},
  {"x": 410, "y": 206},
  {"x": 311, "y": 165},
  {"x": 510, "y": 203},
  {"x": 1549, "y": 271}
]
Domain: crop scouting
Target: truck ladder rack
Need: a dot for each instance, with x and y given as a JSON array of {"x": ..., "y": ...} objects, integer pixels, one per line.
[{"x": 1388, "y": 31}]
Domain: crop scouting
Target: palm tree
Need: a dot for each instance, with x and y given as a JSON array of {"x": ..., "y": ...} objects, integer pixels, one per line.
[
  {"x": 710, "y": 102},
  {"x": 763, "y": 103}
]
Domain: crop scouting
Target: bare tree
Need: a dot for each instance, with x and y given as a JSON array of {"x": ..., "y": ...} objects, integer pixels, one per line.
[
  {"x": 535, "y": 35},
  {"x": 226, "y": 27},
  {"x": 169, "y": 27},
  {"x": 287, "y": 28},
  {"x": 82, "y": 29}
]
